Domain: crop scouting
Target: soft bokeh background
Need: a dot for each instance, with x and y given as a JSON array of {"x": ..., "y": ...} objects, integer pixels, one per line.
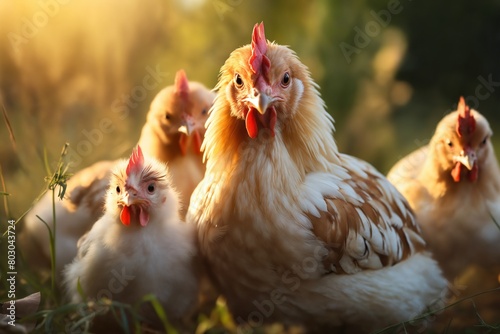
[{"x": 387, "y": 78}]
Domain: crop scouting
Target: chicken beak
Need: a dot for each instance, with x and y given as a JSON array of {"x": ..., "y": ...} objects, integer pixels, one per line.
[
  {"x": 128, "y": 200},
  {"x": 259, "y": 100},
  {"x": 186, "y": 129},
  {"x": 125, "y": 200},
  {"x": 188, "y": 125},
  {"x": 467, "y": 158}
]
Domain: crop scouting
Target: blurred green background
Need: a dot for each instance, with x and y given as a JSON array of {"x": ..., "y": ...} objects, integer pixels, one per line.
[{"x": 388, "y": 70}]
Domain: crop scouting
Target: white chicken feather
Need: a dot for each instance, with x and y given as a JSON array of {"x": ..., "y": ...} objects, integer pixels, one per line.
[
  {"x": 292, "y": 230},
  {"x": 139, "y": 246},
  {"x": 172, "y": 133},
  {"x": 453, "y": 184}
]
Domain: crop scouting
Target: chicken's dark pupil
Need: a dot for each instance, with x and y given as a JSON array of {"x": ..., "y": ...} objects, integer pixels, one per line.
[
  {"x": 286, "y": 78},
  {"x": 118, "y": 189},
  {"x": 204, "y": 111},
  {"x": 450, "y": 144},
  {"x": 151, "y": 188},
  {"x": 167, "y": 116},
  {"x": 239, "y": 81}
]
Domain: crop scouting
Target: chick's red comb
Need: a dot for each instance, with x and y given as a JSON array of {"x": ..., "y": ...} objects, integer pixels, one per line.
[
  {"x": 181, "y": 84},
  {"x": 136, "y": 161},
  {"x": 258, "y": 60},
  {"x": 466, "y": 123}
]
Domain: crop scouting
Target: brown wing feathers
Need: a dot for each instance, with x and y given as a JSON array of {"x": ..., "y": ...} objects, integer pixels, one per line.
[{"x": 357, "y": 237}]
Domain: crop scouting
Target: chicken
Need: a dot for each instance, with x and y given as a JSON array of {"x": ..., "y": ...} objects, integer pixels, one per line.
[
  {"x": 453, "y": 184},
  {"x": 140, "y": 245},
  {"x": 75, "y": 215},
  {"x": 173, "y": 133},
  {"x": 291, "y": 229}
]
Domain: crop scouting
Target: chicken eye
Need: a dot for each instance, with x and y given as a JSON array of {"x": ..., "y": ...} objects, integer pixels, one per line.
[
  {"x": 168, "y": 116},
  {"x": 484, "y": 141},
  {"x": 204, "y": 111},
  {"x": 286, "y": 80},
  {"x": 449, "y": 143},
  {"x": 118, "y": 190},
  {"x": 151, "y": 188},
  {"x": 238, "y": 81}
]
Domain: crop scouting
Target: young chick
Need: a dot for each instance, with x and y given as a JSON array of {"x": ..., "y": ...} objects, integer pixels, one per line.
[
  {"x": 453, "y": 184},
  {"x": 173, "y": 133},
  {"x": 140, "y": 246}
]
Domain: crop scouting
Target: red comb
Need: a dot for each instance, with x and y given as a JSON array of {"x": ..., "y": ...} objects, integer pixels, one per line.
[
  {"x": 258, "y": 60},
  {"x": 466, "y": 123},
  {"x": 181, "y": 84},
  {"x": 136, "y": 161}
]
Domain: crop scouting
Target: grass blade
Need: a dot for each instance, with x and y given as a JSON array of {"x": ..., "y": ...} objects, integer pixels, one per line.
[
  {"x": 433, "y": 312},
  {"x": 483, "y": 323},
  {"x": 494, "y": 220},
  {"x": 160, "y": 312},
  {"x": 80, "y": 289},
  {"x": 9, "y": 128},
  {"x": 5, "y": 193},
  {"x": 124, "y": 320}
]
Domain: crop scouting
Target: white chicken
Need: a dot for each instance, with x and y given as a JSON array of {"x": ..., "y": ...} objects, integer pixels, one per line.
[
  {"x": 293, "y": 230},
  {"x": 140, "y": 246},
  {"x": 173, "y": 133},
  {"x": 453, "y": 184}
]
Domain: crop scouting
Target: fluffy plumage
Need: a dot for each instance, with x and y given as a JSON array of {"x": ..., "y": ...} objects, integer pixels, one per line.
[
  {"x": 173, "y": 133},
  {"x": 140, "y": 245},
  {"x": 293, "y": 230},
  {"x": 453, "y": 184}
]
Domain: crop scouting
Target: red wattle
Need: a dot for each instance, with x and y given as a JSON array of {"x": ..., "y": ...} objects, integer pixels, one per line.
[
  {"x": 125, "y": 216},
  {"x": 143, "y": 217},
  {"x": 197, "y": 142},
  {"x": 267, "y": 121},
  {"x": 183, "y": 143},
  {"x": 473, "y": 173},
  {"x": 251, "y": 123},
  {"x": 456, "y": 172}
]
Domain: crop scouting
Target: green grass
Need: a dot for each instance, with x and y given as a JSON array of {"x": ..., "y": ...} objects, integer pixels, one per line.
[
  {"x": 426, "y": 315},
  {"x": 56, "y": 315}
]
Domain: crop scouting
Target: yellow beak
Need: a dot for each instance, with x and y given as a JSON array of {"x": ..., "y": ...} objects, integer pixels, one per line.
[
  {"x": 188, "y": 125},
  {"x": 467, "y": 158},
  {"x": 259, "y": 100}
]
